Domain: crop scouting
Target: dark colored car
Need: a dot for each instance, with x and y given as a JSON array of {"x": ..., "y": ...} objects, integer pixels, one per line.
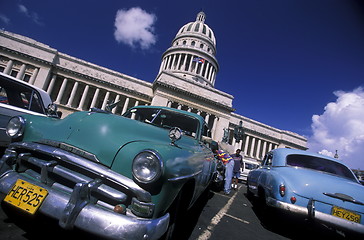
[{"x": 118, "y": 177}]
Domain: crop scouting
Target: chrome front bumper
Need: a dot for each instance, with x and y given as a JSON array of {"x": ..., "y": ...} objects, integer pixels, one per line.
[
  {"x": 82, "y": 193},
  {"x": 311, "y": 213},
  {"x": 91, "y": 218}
]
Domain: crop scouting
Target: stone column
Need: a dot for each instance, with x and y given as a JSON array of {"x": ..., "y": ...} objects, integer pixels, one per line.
[
  {"x": 178, "y": 61},
  {"x": 21, "y": 72},
  {"x": 264, "y": 148},
  {"x": 207, "y": 118},
  {"x": 51, "y": 84},
  {"x": 246, "y": 145},
  {"x": 73, "y": 93},
  {"x": 168, "y": 62},
  {"x": 214, "y": 127},
  {"x": 116, "y": 100},
  {"x": 252, "y": 148},
  {"x": 190, "y": 63},
  {"x": 83, "y": 98},
  {"x": 33, "y": 77},
  {"x": 106, "y": 98},
  {"x": 257, "y": 155},
  {"x": 61, "y": 91},
  {"x": 94, "y": 99},
  {"x": 173, "y": 61},
  {"x": 184, "y": 62},
  {"x": 125, "y": 107},
  {"x": 9, "y": 67}
]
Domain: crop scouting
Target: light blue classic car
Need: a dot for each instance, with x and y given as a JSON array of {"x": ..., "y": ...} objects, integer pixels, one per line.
[
  {"x": 318, "y": 188},
  {"x": 118, "y": 177}
]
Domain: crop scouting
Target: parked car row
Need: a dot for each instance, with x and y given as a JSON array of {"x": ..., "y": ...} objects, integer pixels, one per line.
[
  {"x": 135, "y": 176},
  {"x": 318, "y": 188}
]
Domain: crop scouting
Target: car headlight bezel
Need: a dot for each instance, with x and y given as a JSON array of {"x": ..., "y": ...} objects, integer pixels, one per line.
[
  {"x": 15, "y": 128},
  {"x": 147, "y": 166}
]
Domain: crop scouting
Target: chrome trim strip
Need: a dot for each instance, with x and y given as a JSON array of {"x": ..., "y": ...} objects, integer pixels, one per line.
[
  {"x": 328, "y": 219},
  {"x": 184, "y": 177},
  {"x": 98, "y": 169},
  {"x": 90, "y": 217}
]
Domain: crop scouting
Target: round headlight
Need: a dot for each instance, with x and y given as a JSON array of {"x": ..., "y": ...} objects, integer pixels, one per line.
[
  {"x": 147, "y": 166},
  {"x": 15, "y": 127}
]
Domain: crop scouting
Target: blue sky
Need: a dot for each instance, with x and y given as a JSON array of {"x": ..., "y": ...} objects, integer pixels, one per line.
[{"x": 296, "y": 65}]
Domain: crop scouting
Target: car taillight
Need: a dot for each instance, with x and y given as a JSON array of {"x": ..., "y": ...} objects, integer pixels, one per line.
[{"x": 282, "y": 190}]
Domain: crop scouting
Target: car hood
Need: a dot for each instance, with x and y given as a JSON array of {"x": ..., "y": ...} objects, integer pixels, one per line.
[
  {"x": 103, "y": 134},
  {"x": 321, "y": 186}
]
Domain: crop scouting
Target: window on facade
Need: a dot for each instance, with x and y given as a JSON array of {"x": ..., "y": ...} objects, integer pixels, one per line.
[
  {"x": 197, "y": 27},
  {"x": 184, "y": 42},
  {"x": 201, "y": 45},
  {"x": 189, "y": 27},
  {"x": 26, "y": 77},
  {"x": 204, "y": 29},
  {"x": 2, "y": 69},
  {"x": 13, "y": 73},
  {"x": 193, "y": 43}
]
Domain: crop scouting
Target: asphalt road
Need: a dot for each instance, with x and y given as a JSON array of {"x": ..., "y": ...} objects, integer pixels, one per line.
[{"x": 215, "y": 217}]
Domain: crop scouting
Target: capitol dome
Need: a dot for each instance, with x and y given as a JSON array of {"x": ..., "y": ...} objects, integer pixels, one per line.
[
  {"x": 198, "y": 28},
  {"x": 192, "y": 54}
]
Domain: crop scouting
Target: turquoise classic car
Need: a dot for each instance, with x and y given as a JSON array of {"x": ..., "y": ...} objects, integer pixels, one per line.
[
  {"x": 320, "y": 189},
  {"x": 118, "y": 177}
]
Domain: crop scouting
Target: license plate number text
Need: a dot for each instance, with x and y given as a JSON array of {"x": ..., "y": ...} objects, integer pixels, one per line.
[
  {"x": 345, "y": 214},
  {"x": 26, "y": 196}
]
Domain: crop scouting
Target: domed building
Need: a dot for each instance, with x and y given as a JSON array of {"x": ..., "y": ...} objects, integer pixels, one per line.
[{"x": 185, "y": 80}]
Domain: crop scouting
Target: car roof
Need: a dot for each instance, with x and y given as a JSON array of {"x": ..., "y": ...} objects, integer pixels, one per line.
[
  {"x": 45, "y": 96},
  {"x": 281, "y": 153}
]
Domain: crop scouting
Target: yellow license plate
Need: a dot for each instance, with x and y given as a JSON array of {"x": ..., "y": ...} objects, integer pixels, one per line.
[
  {"x": 26, "y": 196},
  {"x": 345, "y": 214}
]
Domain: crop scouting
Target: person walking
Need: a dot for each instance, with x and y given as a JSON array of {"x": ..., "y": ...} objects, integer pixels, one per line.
[
  {"x": 229, "y": 166},
  {"x": 238, "y": 162}
]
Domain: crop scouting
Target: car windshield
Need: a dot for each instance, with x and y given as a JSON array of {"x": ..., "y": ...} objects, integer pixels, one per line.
[
  {"x": 251, "y": 166},
  {"x": 319, "y": 164},
  {"x": 165, "y": 119}
]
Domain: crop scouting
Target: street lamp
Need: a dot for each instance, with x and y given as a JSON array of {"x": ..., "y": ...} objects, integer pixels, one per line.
[{"x": 239, "y": 132}]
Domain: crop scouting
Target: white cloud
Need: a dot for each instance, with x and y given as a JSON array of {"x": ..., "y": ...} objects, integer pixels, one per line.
[
  {"x": 135, "y": 26},
  {"x": 32, "y": 15},
  {"x": 4, "y": 19},
  {"x": 341, "y": 128}
]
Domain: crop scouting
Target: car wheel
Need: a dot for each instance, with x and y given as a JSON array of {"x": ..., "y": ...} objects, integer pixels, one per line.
[
  {"x": 249, "y": 194},
  {"x": 176, "y": 212}
]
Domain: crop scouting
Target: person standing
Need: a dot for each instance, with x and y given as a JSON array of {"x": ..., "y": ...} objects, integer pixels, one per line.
[
  {"x": 238, "y": 161},
  {"x": 229, "y": 166}
]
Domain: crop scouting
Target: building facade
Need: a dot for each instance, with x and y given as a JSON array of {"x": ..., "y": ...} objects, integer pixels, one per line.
[{"x": 185, "y": 81}]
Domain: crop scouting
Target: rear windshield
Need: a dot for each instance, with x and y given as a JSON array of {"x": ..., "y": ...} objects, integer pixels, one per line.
[{"x": 319, "y": 164}]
